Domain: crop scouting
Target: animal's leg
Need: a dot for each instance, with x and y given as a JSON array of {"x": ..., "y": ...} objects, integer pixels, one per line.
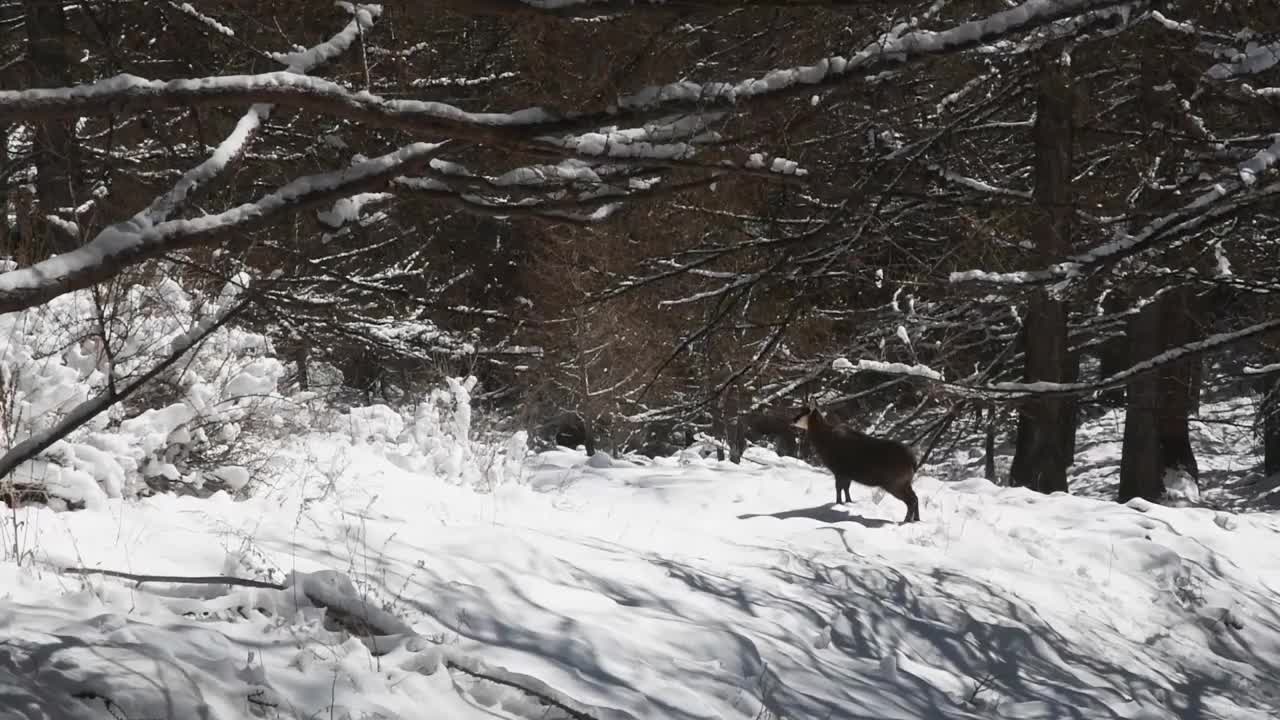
[
  {"x": 902, "y": 494},
  {"x": 837, "y": 490},
  {"x": 913, "y": 505},
  {"x": 844, "y": 486}
]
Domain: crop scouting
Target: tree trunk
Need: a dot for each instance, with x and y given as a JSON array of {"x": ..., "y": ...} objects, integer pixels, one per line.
[
  {"x": 1270, "y": 410},
  {"x": 1045, "y": 440},
  {"x": 1157, "y": 435},
  {"x": 588, "y": 433},
  {"x": 737, "y": 441},
  {"x": 1141, "y": 473},
  {"x": 1113, "y": 355},
  {"x": 717, "y": 429},
  {"x": 989, "y": 462},
  {"x": 301, "y": 358},
  {"x": 735, "y": 421},
  {"x": 9, "y": 242},
  {"x": 54, "y": 143},
  {"x": 1071, "y": 411},
  {"x": 1179, "y": 382}
]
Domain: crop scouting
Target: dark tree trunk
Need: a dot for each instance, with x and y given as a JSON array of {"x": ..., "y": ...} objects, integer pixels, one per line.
[
  {"x": 737, "y": 441},
  {"x": 1141, "y": 472},
  {"x": 1045, "y": 440},
  {"x": 718, "y": 429},
  {"x": 589, "y": 434},
  {"x": 8, "y": 240},
  {"x": 1270, "y": 410},
  {"x": 1157, "y": 433},
  {"x": 1113, "y": 355},
  {"x": 989, "y": 462},
  {"x": 54, "y": 144},
  {"x": 366, "y": 377},
  {"x": 736, "y": 430},
  {"x": 1179, "y": 382},
  {"x": 1071, "y": 411},
  {"x": 301, "y": 357},
  {"x": 1157, "y": 421}
]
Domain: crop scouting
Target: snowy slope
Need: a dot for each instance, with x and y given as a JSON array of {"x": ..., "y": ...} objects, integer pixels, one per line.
[{"x": 683, "y": 588}]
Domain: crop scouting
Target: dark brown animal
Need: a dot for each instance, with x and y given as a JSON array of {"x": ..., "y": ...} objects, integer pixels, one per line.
[{"x": 854, "y": 456}]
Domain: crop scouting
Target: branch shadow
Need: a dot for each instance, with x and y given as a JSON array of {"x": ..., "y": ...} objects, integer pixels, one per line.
[{"x": 42, "y": 673}]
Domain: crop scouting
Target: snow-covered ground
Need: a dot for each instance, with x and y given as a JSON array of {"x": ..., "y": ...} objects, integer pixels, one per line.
[{"x": 677, "y": 589}]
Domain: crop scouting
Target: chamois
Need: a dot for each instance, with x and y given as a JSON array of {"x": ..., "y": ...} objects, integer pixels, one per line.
[{"x": 856, "y": 456}]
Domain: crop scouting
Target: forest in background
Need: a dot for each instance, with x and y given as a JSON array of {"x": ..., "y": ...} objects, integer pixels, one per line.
[{"x": 634, "y": 222}]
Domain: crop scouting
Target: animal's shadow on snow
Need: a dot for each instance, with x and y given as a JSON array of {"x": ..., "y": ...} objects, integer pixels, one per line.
[{"x": 829, "y": 513}]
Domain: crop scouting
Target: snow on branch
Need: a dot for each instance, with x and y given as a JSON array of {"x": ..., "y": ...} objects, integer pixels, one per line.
[
  {"x": 889, "y": 50},
  {"x": 129, "y": 93},
  {"x": 888, "y": 368},
  {"x": 592, "y": 206},
  {"x": 571, "y": 9},
  {"x": 1220, "y": 200},
  {"x": 1256, "y": 58},
  {"x": 979, "y": 186},
  {"x": 235, "y": 144},
  {"x": 305, "y": 60},
  {"x": 1121, "y": 378},
  {"x": 670, "y": 140},
  {"x": 1261, "y": 370},
  {"x": 128, "y": 243},
  {"x": 186, "y": 9},
  {"x": 1017, "y": 390}
]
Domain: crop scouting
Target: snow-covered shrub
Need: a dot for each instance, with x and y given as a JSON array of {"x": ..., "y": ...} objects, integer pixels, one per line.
[
  {"x": 434, "y": 436},
  {"x": 183, "y": 431}
]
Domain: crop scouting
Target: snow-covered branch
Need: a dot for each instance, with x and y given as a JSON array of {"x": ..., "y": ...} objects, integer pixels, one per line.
[
  {"x": 128, "y": 243},
  {"x": 1017, "y": 390},
  {"x": 891, "y": 50},
  {"x": 235, "y": 144},
  {"x": 609, "y": 8},
  {"x": 1219, "y": 201},
  {"x": 888, "y": 368},
  {"x": 129, "y": 93},
  {"x": 586, "y": 207},
  {"x": 1254, "y": 59},
  {"x": 132, "y": 94}
]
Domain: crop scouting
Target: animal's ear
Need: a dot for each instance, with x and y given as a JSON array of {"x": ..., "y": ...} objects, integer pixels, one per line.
[{"x": 802, "y": 420}]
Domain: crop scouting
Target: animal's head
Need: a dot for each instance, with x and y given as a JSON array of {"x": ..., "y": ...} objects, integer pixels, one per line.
[{"x": 806, "y": 416}]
